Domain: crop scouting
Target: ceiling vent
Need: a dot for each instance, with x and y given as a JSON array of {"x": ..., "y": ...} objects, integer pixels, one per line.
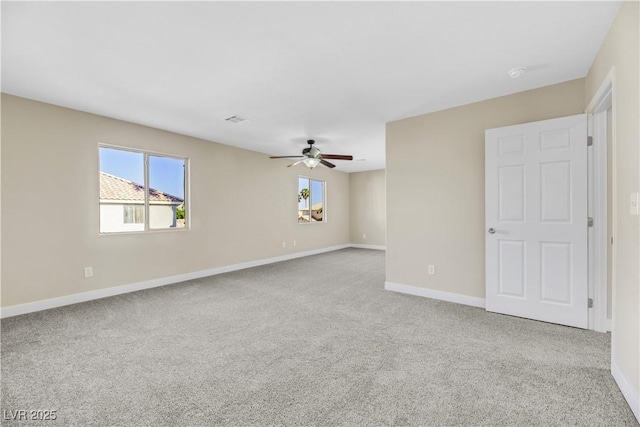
[{"x": 236, "y": 119}]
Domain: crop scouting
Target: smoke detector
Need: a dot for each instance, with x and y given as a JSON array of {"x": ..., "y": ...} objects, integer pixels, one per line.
[
  {"x": 516, "y": 72},
  {"x": 236, "y": 119}
]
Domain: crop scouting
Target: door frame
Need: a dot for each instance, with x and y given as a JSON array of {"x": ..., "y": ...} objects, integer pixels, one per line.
[{"x": 598, "y": 246}]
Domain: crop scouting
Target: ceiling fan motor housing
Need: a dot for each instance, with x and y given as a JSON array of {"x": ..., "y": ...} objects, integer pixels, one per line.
[{"x": 313, "y": 152}]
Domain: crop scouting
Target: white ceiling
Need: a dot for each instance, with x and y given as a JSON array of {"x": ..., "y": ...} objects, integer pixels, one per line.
[{"x": 332, "y": 71}]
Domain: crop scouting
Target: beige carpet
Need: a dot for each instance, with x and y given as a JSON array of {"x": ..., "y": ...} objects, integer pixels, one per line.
[{"x": 313, "y": 341}]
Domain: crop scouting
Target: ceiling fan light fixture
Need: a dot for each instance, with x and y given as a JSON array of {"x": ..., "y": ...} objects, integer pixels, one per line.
[{"x": 311, "y": 162}]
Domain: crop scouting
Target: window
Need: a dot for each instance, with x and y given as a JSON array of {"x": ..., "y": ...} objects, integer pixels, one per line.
[
  {"x": 133, "y": 214},
  {"x": 141, "y": 191},
  {"x": 311, "y": 206}
]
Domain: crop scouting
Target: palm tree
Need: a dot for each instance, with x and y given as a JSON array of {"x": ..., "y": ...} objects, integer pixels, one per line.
[{"x": 304, "y": 193}]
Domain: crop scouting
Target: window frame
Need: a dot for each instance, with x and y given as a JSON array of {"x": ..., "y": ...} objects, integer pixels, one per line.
[
  {"x": 324, "y": 199},
  {"x": 145, "y": 157}
]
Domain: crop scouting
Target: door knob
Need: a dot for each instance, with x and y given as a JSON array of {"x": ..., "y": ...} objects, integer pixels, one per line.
[{"x": 492, "y": 231}]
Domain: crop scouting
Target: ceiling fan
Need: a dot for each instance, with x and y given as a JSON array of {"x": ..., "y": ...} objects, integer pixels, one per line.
[{"x": 312, "y": 157}]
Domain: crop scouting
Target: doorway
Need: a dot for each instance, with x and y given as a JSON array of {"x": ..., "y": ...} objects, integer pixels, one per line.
[{"x": 602, "y": 202}]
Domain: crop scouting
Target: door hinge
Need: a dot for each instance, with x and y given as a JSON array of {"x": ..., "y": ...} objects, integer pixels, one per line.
[
  {"x": 590, "y": 303},
  {"x": 590, "y": 222},
  {"x": 589, "y": 141}
]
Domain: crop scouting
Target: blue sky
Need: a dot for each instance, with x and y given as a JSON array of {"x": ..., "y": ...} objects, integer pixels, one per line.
[{"x": 165, "y": 173}]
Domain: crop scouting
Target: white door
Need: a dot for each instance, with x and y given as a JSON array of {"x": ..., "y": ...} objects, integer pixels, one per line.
[{"x": 536, "y": 220}]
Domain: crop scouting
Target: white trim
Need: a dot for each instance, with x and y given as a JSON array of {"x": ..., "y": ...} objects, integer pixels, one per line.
[
  {"x": 631, "y": 395},
  {"x": 435, "y": 294},
  {"x": 374, "y": 247},
  {"x": 598, "y": 242},
  {"x": 15, "y": 310},
  {"x": 599, "y": 246},
  {"x": 603, "y": 92},
  {"x": 602, "y": 100}
]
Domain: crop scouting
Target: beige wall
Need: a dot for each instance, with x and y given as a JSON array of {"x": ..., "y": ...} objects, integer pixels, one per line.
[
  {"x": 435, "y": 185},
  {"x": 368, "y": 207},
  {"x": 621, "y": 50},
  {"x": 243, "y": 206}
]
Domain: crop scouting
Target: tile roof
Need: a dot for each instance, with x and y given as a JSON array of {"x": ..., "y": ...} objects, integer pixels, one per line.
[{"x": 116, "y": 188}]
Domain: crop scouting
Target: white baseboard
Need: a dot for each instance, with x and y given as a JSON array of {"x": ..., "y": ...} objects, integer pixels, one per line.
[
  {"x": 15, "y": 310},
  {"x": 435, "y": 294},
  {"x": 631, "y": 395},
  {"x": 375, "y": 247}
]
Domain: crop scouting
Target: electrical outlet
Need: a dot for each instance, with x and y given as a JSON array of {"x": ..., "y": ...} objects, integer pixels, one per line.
[
  {"x": 364, "y": 236},
  {"x": 284, "y": 244},
  {"x": 432, "y": 270},
  {"x": 294, "y": 243},
  {"x": 88, "y": 272}
]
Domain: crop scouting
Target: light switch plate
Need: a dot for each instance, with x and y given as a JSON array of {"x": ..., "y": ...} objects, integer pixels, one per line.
[{"x": 633, "y": 204}]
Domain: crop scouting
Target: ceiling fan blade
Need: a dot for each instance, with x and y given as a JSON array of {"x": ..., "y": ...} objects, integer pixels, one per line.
[
  {"x": 295, "y": 163},
  {"x": 327, "y": 164},
  {"x": 336, "y": 157},
  {"x": 284, "y": 157}
]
